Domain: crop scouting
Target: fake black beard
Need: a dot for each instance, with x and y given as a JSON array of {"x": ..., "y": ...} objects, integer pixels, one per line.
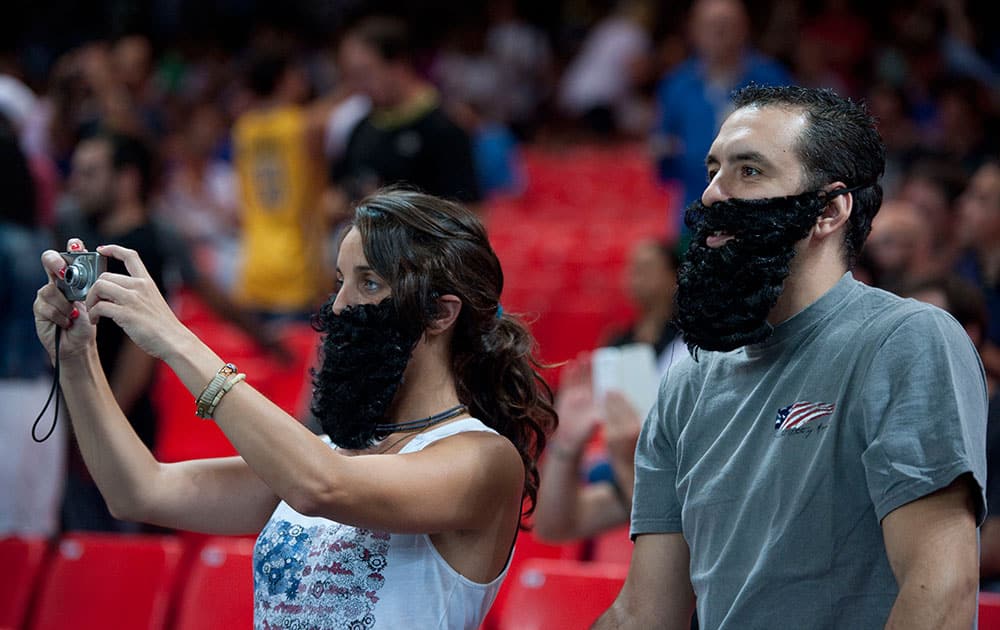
[
  {"x": 363, "y": 355},
  {"x": 724, "y": 294}
]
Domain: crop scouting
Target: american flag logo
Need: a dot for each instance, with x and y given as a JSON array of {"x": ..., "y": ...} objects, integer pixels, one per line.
[{"x": 801, "y": 413}]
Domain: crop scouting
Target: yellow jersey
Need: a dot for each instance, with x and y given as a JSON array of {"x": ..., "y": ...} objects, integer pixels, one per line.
[{"x": 283, "y": 229}]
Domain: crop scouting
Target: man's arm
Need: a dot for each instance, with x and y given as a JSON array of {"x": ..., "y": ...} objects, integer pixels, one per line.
[
  {"x": 131, "y": 375},
  {"x": 933, "y": 549},
  {"x": 657, "y": 592}
]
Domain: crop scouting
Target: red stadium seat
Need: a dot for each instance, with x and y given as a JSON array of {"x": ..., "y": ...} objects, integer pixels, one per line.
[
  {"x": 989, "y": 611},
  {"x": 102, "y": 581},
  {"x": 613, "y": 546},
  {"x": 561, "y": 594},
  {"x": 528, "y": 548},
  {"x": 218, "y": 592},
  {"x": 22, "y": 560}
]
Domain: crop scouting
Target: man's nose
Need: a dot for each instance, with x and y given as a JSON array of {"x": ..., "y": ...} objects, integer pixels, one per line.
[{"x": 714, "y": 192}]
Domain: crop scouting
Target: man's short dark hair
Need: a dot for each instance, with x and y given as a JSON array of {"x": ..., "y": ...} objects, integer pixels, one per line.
[
  {"x": 265, "y": 70},
  {"x": 387, "y": 36},
  {"x": 839, "y": 143}
]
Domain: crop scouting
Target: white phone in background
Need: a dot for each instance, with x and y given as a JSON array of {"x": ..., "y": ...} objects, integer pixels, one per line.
[{"x": 629, "y": 369}]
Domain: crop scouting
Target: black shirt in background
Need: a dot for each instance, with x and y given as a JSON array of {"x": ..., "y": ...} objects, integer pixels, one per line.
[{"x": 429, "y": 153}]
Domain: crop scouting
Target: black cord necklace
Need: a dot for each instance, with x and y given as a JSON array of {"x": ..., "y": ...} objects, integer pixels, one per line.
[{"x": 421, "y": 424}]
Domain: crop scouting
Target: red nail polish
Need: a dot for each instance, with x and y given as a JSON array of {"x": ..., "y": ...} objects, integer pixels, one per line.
[
  {"x": 74, "y": 246},
  {"x": 75, "y": 313},
  {"x": 62, "y": 272}
]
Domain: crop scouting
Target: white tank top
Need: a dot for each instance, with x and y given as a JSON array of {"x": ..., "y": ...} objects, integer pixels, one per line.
[{"x": 311, "y": 572}]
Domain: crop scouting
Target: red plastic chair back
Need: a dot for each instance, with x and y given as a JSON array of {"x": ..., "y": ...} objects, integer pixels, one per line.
[
  {"x": 989, "y": 611},
  {"x": 102, "y": 581},
  {"x": 528, "y": 548},
  {"x": 613, "y": 546},
  {"x": 561, "y": 594},
  {"x": 22, "y": 560},
  {"x": 218, "y": 592}
]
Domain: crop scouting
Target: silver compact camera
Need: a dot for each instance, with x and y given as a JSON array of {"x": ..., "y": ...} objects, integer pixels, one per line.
[{"x": 82, "y": 271}]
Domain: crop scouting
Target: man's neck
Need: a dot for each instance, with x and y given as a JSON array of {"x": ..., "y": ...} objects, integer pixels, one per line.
[{"x": 806, "y": 284}]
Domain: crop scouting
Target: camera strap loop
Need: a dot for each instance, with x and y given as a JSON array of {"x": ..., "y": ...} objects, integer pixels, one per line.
[{"x": 56, "y": 393}]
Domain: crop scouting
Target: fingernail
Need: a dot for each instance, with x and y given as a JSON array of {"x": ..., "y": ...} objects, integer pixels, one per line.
[
  {"x": 62, "y": 272},
  {"x": 74, "y": 246},
  {"x": 75, "y": 313}
]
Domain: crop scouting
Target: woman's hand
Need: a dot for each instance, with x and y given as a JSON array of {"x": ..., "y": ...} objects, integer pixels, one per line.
[
  {"x": 53, "y": 310},
  {"x": 134, "y": 303},
  {"x": 622, "y": 428},
  {"x": 575, "y": 406}
]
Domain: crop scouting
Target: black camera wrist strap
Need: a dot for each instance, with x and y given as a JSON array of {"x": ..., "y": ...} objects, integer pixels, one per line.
[{"x": 56, "y": 393}]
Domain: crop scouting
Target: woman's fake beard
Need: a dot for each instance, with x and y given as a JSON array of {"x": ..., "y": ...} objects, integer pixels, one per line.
[
  {"x": 363, "y": 355},
  {"x": 725, "y": 294}
]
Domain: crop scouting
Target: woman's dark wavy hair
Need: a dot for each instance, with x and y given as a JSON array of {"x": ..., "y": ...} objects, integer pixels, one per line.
[{"x": 426, "y": 247}]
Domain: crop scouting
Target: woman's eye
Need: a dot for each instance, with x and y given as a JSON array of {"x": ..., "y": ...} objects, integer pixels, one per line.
[
  {"x": 749, "y": 171},
  {"x": 710, "y": 176},
  {"x": 371, "y": 286}
]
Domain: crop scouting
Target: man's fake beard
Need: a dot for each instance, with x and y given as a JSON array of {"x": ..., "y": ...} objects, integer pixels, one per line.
[
  {"x": 363, "y": 354},
  {"x": 724, "y": 294}
]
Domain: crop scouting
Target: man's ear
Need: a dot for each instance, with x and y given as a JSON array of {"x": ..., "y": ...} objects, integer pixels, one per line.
[
  {"x": 836, "y": 213},
  {"x": 449, "y": 306}
]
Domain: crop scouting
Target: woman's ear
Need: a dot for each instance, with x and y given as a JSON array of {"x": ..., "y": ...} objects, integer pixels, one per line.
[{"x": 449, "y": 306}]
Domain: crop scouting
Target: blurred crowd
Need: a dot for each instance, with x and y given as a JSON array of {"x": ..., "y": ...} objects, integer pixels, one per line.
[{"x": 227, "y": 141}]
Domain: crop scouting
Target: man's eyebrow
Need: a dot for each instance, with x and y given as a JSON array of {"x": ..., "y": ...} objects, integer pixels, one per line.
[{"x": 750, "y": 156}]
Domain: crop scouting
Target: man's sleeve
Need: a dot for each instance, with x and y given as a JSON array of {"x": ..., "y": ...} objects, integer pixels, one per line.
[
  {"x": 655, "y": 506},
  {"x": 924, "y": 405}
]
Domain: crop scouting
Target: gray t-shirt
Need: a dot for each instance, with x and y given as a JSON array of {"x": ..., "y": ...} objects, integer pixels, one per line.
[{"x": 778, "y": 461}]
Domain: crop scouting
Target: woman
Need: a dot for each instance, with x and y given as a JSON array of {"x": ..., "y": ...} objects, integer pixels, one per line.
[{"x": 427, "y": 391}]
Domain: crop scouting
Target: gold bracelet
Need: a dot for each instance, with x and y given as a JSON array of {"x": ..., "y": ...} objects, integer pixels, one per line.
[
  {"x": 203, "y": 404},
  {"x": 222, "y": 392}
]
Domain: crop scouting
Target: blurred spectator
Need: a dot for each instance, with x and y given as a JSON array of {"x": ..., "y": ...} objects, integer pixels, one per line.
[
  {"x": 110, "y": 184},
  {"x": 24, "y": 112},
  {"x": 899, "y": 250},
  {"x": 694, "y": 99},
  {"x": 524, "y": 57},
  {"x": 473, "y": 88},
  {"x": 568, "y": 509},
  {"x": 838, "y": 40},
  {"x": 406, "y": 138},
  {"x": 200, "y": 199},
  {"x": 887, "y": 104},
  {"x": 933, "y": 187},
  {"x": 31, "y": 475},
  {"x": 278, "y": 157},
  {"x": 598, "y": 86},
  {"x": 979, "y": 234},
  {"x": 965, "y": 303}
]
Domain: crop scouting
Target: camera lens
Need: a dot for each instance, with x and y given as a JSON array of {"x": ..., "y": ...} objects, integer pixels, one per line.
[{"x": 76, "y": 276}]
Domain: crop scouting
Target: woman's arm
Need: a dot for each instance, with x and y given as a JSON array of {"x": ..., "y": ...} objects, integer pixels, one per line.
[
  {"x": 453, "y": 484},
  {"x": 221, "y": 496}
]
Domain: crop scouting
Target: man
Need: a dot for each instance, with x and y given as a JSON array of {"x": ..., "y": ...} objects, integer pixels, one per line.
[
  {"x": 819, "y": 462},
  {"x": 110, "y": 183},
  {"x": 277, "y": 152},
  {"x": 979, "y": 234},
  {"x": 693, "y": 100},
  {"x": 406, "y": 138},
  {"x": 900, "y": 249}
]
